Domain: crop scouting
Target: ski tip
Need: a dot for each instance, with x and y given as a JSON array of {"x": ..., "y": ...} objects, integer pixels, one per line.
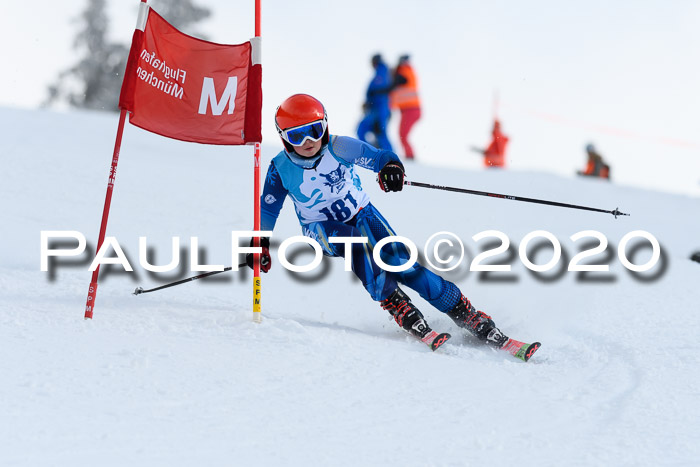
[
  {"x": 439, "y": 340},
  {"x": 530, "y": 350}
]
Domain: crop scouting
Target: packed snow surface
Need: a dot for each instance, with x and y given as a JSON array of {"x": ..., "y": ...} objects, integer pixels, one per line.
[{"x": 183, "y": 377}]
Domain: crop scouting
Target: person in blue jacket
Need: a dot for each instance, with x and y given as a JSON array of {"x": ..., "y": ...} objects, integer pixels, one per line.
[
  {"x": 376, "y": 106},
  {"x": 318, "y": 172}
]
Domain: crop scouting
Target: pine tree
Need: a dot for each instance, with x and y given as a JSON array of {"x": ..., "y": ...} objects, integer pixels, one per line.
[
  {"x": 182, "y": 14},
  {"x": 95, "y": 81}
]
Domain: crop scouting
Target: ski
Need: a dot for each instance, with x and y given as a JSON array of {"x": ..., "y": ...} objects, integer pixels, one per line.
[
  {"x": 520, "y": 350},
  {"x": 435, "y": 340}
]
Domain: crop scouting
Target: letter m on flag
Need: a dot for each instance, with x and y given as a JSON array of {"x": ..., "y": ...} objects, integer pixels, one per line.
[
  {"x": 209, "y": 96},
  {"x": 189, "y": 89}
]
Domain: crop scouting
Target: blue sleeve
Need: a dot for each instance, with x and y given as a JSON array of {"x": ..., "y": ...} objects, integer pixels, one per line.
[
  {"x": 360, "y": 153},
  {"x": 272, "y": 198},
  {"x": 381, "y": 81}
]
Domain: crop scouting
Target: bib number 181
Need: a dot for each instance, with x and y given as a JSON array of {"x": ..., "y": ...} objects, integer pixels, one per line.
[{"x": 338, "y": 210}]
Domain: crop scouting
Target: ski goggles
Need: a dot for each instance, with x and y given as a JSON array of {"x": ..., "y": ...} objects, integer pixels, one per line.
[{"x": 297, "y": 135}]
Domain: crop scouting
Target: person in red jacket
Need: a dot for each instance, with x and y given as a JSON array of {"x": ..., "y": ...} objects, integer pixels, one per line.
[
  {"x": 495, "y": 153},
  {"x": 404, "y": 97}
]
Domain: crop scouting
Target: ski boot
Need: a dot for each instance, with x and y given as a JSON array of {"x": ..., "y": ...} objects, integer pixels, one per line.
[
  {"x": 477, "y": 323},
  {"x": 411, "y": 319}
]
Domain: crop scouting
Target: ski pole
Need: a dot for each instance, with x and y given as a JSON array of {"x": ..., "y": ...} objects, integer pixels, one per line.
[
  {"x": 140, "y": 290},
  {"x": 614, "y": 212}
]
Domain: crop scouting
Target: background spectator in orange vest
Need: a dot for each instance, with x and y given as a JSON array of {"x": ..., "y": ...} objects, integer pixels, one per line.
[
  {"x": 595, "y": 166},
  {"x": 495, "y": 153},
  {"x": 404, "y": 97}
]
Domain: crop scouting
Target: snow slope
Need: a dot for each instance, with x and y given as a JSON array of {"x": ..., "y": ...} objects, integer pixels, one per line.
[{"x": 183, "y": 377}]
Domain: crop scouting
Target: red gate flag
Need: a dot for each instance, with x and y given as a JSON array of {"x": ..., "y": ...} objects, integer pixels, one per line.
[
  {"x": 190, "y": 89},
  {"x": 193, "y": 90}
]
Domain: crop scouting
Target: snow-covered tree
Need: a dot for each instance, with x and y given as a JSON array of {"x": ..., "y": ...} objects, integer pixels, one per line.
[
  {"x": 182, "y": 14},
  {"x": 95, "y": 80}
]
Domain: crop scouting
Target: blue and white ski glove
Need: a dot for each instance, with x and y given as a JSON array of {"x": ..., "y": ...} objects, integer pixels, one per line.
[
  {"x": 265, "y": 260},
  {"x": 391, "y": 177}
]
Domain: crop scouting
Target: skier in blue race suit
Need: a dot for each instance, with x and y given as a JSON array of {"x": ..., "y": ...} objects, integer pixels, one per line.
[
  {"x": 376, "y": 106},
  {"x": 318, "y": 172}
]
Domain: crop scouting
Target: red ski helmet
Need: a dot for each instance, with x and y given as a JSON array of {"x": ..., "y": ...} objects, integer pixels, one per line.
[{"x": 298, "y": 110}]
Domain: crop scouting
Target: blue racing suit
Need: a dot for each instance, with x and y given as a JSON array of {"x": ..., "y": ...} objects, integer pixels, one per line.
[{"x": 329, "y": 202}]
